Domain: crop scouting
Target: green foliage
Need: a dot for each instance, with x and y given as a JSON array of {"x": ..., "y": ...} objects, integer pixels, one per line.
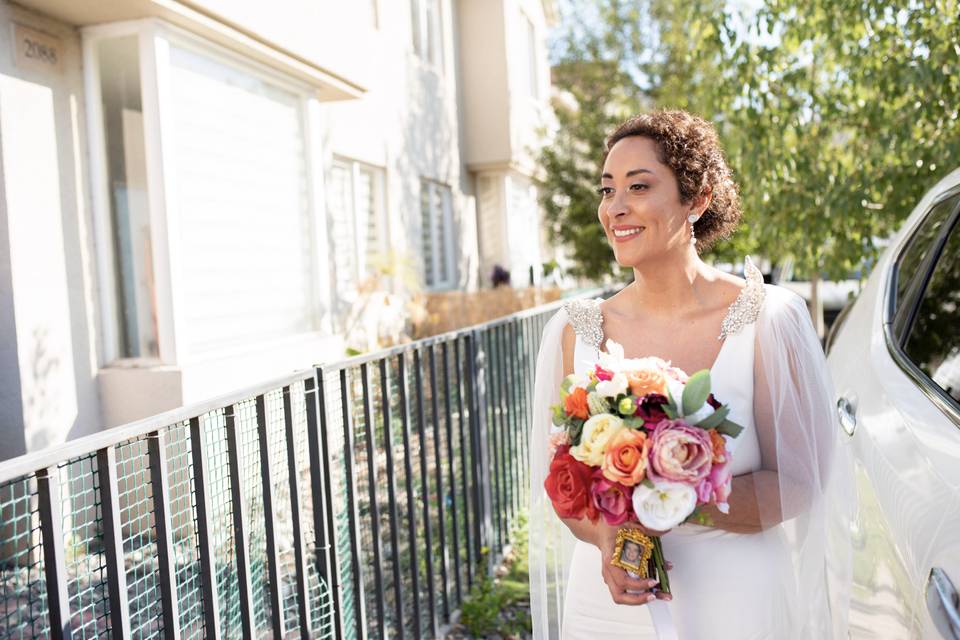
[
  {"x": 695, "y": 392},
  {"x": 836, "y": 115},
  {"x": 500, "y": 607}
]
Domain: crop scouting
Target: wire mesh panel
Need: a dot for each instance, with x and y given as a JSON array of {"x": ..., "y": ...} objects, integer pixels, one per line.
[
  {"x": 23, "y": 597},
  {"x": 340, "y": 505},
  {"x": 319, "y": 596},
  {"x": 221, "y": 519},
  {"x": 83, "y": 547},
  {"x": 139, "y": 539},
  {"x": 183, "y": 526},
  {"x": 282, "y": 521},
  {"x": 249, "y": 455}
]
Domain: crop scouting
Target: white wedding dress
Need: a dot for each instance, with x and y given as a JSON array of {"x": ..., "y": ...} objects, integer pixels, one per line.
[{"x": 725, "y": 585}]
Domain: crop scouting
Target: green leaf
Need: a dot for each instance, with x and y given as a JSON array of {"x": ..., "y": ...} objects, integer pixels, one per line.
[
  {"x": 633, "y": 422},
  {"x": 729, "y": 428},
  {"x": 715, "y": 419},
  {"x": 672, "y": 409},
  {"x": 696, "y": 391},
  {"x": 565, "y": 387},
  {"x": 648, "y": 484}
]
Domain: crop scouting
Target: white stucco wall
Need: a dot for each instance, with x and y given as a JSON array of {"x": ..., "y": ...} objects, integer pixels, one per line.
[
  {"x": 48, "y": 389},
  {"x": 408, "y": 124}
]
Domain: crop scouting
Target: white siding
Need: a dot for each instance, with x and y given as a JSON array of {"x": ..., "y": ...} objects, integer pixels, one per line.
[{"x": 242, "y": 205}]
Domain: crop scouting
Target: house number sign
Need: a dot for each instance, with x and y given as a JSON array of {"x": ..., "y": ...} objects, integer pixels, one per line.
[{"x": 37, "y": 51}]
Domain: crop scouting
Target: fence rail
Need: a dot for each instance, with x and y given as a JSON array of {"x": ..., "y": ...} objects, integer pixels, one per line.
[{"x": 360, "y": 499}]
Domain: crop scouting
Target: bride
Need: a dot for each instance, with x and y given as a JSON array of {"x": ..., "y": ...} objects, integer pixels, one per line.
[{"x": 776, "y": 566}]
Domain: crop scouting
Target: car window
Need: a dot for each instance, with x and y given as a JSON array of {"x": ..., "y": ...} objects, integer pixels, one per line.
[
  {"x": 934, "y": 340},
  {"x": 913, "y": 266}
]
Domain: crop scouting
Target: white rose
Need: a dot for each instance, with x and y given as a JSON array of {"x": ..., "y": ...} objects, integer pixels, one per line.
[
  {"x": 665, "y": 505},
  {"x": 613, "y": 388}
]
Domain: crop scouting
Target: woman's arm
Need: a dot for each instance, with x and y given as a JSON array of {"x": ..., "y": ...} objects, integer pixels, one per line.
[{"x": 754, "y": 504}]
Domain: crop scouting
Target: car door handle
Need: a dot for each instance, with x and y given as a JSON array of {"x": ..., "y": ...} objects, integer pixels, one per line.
[
  {"x": 847, "y": 412},
  {"x": 943, "y": 604}
]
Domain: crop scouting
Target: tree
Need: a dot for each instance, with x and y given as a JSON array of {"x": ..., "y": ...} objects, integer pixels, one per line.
[{"x": 836, "y": 115}]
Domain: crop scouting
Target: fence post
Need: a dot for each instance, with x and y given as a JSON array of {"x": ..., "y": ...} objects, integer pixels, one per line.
[
  {"x": 113, "y": 541},
  {"x": 273, "y": 554},
  {"x": 208, "y": 566},
  {"x": 481, "y": 450},
  {"x": 54, "y": 558},
  {"x": 166, "y": 561},
  {"x": 241, "y": 536},
  {"x": 324, "y": 523}
]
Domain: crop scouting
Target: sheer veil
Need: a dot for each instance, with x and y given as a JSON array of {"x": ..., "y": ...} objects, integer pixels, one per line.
[{"x": 810, "y": 508}]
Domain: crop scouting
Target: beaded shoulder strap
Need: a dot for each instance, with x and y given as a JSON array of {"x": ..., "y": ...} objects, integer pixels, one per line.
[
  {"x": 746, "y": 308},
  {"x": 586, "y": 319}
]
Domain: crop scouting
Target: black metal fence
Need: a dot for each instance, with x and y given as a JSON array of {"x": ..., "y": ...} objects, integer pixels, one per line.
[{"x": 361, "y": 499}]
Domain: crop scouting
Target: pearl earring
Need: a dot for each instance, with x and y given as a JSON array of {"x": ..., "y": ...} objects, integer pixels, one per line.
[{"x": 691, "y": 219}]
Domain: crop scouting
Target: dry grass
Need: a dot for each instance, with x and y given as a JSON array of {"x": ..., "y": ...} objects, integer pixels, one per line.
[{"x": 453, "y": 310}]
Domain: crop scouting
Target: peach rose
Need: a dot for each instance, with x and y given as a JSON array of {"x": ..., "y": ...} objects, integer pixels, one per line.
[
  {"x": 646, "y": 381},
  {"x": 626, "y": 458}
]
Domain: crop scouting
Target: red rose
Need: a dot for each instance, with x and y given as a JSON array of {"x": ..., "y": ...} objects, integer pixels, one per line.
[{"x": 568, "y": 485}]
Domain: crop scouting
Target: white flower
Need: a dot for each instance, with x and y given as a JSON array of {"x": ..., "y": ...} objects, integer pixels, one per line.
[
  {"x": 580, "y": 380},
  {"x": 703, "y": 412},
  {"x": 676, "y": 391},
  {"x": 665, "y": 505},
  {"x": 613, "y": 388},
  {"x": 612, "y": 358}
]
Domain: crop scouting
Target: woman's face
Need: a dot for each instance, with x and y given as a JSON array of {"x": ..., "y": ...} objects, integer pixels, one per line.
[
  {"x": 640, "y": 207},
  {"x": 632, "y": 552}
]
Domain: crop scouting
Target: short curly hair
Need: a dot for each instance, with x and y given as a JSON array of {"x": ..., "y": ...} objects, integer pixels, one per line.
[{"x": 688, "y": 144}]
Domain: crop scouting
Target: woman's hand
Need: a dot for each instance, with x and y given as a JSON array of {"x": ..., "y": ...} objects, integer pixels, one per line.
[{"x": 624, "y": 589}]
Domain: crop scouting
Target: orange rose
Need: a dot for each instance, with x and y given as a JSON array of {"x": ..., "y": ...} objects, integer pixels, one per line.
[
  {"x": 575, "y": 404},
  {"x": 719, "y": 446},
  {"x": 626, "y": 458},
  {"x": 647, "y": 381}
]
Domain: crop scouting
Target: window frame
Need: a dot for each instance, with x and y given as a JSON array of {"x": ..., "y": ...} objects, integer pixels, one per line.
[
  {"x": 437, "y": 188},
  {"x": 420, "y": 34},
  {"x": 155, "y": 39},
  {"x": 355, "y": 168},
  {"x": 895, "y": 344}
]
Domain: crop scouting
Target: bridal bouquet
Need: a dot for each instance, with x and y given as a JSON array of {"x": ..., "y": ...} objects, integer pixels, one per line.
[{"x": 636, "y": 440}]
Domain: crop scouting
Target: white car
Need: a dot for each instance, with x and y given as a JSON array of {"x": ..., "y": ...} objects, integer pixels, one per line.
[{"x": 895, "y": 361}]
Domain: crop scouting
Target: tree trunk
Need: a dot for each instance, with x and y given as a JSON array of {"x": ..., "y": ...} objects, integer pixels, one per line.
[{"x": 816, "y": 304}]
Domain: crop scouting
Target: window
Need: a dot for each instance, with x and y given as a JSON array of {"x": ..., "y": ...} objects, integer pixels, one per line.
[
  {"x": 426, "y": 23},
  {"x": 914, "y": 263},
  {"x": 216, "y": 249},
  {"x": 532, "y": 80},
  {"x": 933, "y": 343},
  {"x": 133, "y": 303},
  {"x": 355, "y": 205},
  {"x": 436, "y": 221}
]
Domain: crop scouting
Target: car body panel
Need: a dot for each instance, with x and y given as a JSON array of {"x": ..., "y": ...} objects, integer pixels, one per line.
[{"x": 907, "y": 459}]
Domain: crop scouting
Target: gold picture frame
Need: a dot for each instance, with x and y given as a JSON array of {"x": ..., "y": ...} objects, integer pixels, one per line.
[{"x": 633, "y": 551}]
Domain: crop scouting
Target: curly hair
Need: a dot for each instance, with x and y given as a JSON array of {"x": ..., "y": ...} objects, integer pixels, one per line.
[{"x": 688, "y": 144}]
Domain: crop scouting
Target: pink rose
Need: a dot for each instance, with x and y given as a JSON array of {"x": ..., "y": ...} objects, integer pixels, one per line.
[
  {"x": 612, "y": 499},
  {"x": 716, "y": 487},
  {"x": 679, "y": 453}
]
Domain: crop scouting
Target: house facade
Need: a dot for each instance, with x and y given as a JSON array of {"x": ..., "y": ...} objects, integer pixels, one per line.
[{"x": 192, "y": 192}]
